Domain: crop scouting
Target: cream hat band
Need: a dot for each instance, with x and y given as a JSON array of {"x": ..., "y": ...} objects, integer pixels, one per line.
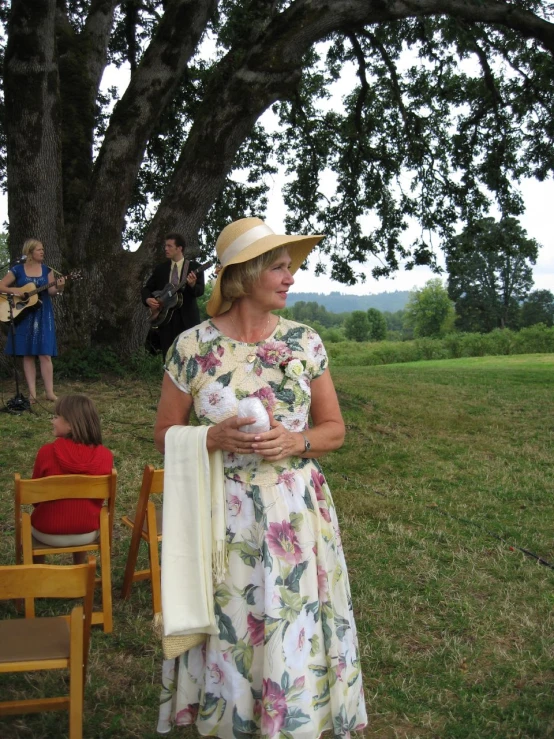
[{"x": 240, "y": 243}]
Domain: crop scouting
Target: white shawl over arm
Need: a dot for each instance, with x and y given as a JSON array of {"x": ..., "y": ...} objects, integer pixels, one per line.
[{"x": 193, "y": 546}]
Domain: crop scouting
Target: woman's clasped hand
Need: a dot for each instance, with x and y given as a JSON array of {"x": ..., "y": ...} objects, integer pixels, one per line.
[{"x": 273, "y": 445}]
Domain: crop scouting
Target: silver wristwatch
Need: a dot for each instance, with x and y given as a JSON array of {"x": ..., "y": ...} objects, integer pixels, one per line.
[{"x": 307, "y": 445}]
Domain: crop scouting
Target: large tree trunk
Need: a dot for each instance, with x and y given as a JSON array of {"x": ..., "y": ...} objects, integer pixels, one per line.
[{"x": 33, "y": 127}]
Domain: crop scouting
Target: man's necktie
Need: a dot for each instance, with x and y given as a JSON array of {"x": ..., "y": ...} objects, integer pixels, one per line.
[{"x": 174, "y": 274}]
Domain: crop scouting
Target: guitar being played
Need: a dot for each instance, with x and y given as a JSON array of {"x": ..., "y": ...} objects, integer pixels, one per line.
[
  {"x": 171, "y": 296},
  {"x": 27, "y": 296},
  {"x": 33, "y": 334},
  {"x": 171, "y": 292}
]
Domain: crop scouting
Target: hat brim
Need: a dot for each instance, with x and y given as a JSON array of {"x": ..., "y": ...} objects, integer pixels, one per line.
[{"x": 301, "y": 246}]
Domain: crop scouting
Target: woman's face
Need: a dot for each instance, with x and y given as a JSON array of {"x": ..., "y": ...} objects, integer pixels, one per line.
[
  {"x": 271, "y": 289},
  {"x": 38, "y": 253},
  {"x": 60, "y": 427}
]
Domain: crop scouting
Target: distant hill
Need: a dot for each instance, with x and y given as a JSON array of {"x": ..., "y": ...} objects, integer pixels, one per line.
[{"x": 337, "y": 302}]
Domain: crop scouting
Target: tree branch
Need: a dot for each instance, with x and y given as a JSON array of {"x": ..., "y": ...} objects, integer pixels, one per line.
[
  {"x": 133, "y": 120},
  {"x": 96, "y": 36},
  {"x": 364, "y": 86},
  {"x": 271, "y": 69}
]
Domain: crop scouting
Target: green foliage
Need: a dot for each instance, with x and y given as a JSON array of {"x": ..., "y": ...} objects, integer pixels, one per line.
[
  {"x": 332, "y": 335},
  {"x": 89, "y": 364},
  {"x": 356, "y": 326},
  {"x": 4, "y": 249},
  {"x": 377, "y": 325},
  {"x": 429, "y": 311},
  {"x": 489, "y": 268},
  {"x": 395, "y": 321},
  {"x": 538, "y": 308},
  {"x": 285, "y": 313},
  {"x": 500, "y": 342},
  {"x": 203, "y": 300},
  {"x": 451, "y": 117},
  {"x": 311, "y": 312},
  {"x": 94, "y": 363},
  {"x": 145, "y": 366}
]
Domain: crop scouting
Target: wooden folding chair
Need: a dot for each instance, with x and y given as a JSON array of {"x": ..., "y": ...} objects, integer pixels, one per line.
[
  {"x": 147, "y": 525},
  {"x": 49, "y": 643},
  {"x": 58, "y": 487}
]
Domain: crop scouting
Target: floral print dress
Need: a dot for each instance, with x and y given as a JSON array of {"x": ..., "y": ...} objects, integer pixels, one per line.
[{"x": 285, "y": 663}]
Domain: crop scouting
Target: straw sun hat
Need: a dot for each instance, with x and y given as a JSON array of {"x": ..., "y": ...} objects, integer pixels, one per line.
[{"x": 246, "y": 239}]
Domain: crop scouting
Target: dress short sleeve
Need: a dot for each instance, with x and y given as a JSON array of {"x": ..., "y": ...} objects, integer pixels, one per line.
[
  {"x": 316, "y": 356},
  {"x": 180, "y": 364}
]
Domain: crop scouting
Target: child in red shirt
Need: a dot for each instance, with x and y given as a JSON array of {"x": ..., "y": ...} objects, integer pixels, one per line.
[{"x": 77, "y": 450}]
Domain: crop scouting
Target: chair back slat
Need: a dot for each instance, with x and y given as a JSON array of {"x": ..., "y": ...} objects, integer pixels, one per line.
[
  {"x": 58, "y": 487},
  {"x": 43, "y": 581}
]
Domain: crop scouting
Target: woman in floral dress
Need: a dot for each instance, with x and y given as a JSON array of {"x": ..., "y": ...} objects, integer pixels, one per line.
[{"x": 285, "y": 662}]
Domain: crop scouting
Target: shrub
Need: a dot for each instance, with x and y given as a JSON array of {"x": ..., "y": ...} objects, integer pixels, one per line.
[
  {"x": 536, "y": 339},
  {"x": 88, "y": 364},
  {"x": 146, "y": 366},
  {"x": 502, "y": 341},
  {"x": 92, "y": 363},
  {"x": 332, "y": 336}
]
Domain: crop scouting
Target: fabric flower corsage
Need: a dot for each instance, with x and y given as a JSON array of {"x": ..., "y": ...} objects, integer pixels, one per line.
[{"x": 292, "y": 368}]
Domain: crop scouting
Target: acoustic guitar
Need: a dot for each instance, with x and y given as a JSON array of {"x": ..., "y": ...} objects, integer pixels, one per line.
[
  {"x": 171, "y": 296},
  {"x": 28, "y": 298}
]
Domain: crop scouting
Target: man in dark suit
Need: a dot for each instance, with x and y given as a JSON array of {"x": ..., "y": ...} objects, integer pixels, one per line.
[{"x": 171, "y": 271}]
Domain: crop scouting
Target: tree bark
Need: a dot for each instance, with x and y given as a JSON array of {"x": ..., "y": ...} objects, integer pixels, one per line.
[{"x": 33, "y": 128}]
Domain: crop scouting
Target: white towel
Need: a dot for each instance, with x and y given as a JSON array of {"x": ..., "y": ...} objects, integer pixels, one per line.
[{"x": 193, "y": 546}]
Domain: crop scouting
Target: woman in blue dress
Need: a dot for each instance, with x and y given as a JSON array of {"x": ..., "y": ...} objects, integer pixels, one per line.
[{"x": 35, "y": 333}]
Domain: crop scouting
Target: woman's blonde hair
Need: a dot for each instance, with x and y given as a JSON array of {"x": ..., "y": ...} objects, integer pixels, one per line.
[
  {"x": 80, "y": 413},
  {"x": 30, "y": 245},
  {"x": 237, "y": 280}
]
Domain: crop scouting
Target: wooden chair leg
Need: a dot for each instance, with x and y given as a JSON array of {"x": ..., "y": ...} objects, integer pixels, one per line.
[
  {"x": 154, "y": 558},
  {"x": 76, "y": 677},
  {"x": 105, "y": 562},
  {"x": 18, "y": 551},
  {"x": 27, "y": 540},
  {"x": 131, "y": 560}
]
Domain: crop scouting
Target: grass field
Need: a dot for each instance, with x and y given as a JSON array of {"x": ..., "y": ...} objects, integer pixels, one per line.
[{"x": 445, "y": 477}]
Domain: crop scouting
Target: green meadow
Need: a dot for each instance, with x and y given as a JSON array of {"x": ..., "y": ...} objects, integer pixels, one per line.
[{"x": 444, "y": 492}]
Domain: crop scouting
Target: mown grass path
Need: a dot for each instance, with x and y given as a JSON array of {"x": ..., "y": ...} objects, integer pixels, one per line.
[{"x": 446, "y": 475}]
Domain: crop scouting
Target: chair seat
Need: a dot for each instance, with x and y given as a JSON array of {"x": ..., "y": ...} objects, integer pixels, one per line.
[
  {"x": 23, "y": 639},
  {"x": 36, "y": 544}
]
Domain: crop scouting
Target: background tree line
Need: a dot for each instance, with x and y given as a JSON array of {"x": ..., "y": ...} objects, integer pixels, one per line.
[
  {"x": 429, "y": 313},
  {"x": 489, "y": 286}
]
